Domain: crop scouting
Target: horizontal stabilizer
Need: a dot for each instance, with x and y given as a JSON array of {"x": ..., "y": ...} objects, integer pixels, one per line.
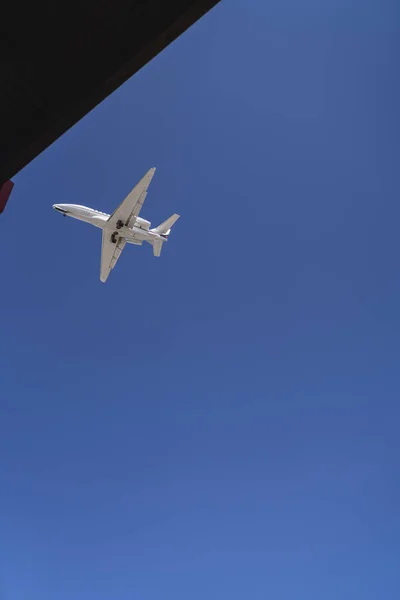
[
  {"x": 157, "y": 247},
  {"x": 164, "y": 228}
]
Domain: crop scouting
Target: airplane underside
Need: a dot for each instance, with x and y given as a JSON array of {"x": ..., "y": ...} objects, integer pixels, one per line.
[{"x": 123, "y": 226}]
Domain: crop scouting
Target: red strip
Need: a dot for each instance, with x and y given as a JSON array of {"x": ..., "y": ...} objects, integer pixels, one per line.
[{"x": 5, "y": 191}]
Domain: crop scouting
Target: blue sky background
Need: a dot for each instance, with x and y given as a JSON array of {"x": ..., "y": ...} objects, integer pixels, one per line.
[{"x": 222, "y": 422}]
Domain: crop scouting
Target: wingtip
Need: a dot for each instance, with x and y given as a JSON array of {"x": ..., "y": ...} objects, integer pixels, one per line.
[{"x": 150, "y": 173}]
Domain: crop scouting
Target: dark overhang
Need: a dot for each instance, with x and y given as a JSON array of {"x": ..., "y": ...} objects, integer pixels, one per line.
[{"x": 60, "y": 58}]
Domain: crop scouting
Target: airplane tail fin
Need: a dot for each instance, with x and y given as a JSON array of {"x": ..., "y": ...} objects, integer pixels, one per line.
[
  {"x": 157, "y": 247},
  {"x": 165, "y": 228}
]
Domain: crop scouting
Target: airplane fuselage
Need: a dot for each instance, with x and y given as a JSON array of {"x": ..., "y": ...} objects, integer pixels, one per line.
[
  {"x": 138, "y": 233},
  {"x": 123, "y": 226}
]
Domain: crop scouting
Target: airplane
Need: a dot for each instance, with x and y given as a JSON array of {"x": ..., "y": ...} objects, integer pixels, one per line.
[{"x": 123, "y": 226}]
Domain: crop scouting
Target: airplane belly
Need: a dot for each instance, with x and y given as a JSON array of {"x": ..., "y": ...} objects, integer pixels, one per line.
[
  {"x": 135, "y": 242},
  {"x": 98, "y": 222},
  {"x": 137, "y": 233}
]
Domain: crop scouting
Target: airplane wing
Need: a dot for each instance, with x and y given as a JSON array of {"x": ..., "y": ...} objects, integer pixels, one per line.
[
  {"x": 110, "y": 253},
  {"x": 130, "y": 208}
]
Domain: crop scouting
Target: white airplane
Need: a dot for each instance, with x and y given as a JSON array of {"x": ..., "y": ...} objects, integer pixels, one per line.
[{"x": 123, "y": 227}]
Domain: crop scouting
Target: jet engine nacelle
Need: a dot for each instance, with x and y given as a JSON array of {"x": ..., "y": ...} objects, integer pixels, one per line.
[{"x": 142, "y": 223}]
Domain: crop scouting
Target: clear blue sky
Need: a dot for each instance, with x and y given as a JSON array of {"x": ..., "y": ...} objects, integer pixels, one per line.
[{"x": 222, "y": 422}]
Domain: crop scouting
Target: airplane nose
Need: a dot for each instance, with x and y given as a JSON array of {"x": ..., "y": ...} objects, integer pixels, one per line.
[{"x": 60, "y": 208}]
